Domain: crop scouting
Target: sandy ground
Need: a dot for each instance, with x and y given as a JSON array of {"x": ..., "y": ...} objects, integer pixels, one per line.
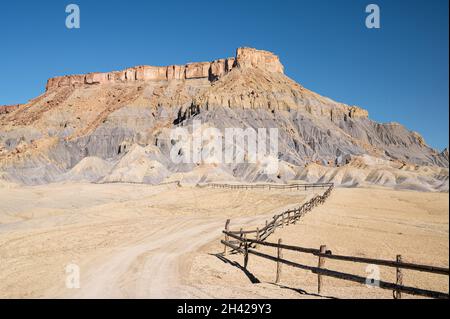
[
  {"x": 372, "y": 223},
  {"x": 139, "y": 241},
  {"x": 127, "y": 240}
]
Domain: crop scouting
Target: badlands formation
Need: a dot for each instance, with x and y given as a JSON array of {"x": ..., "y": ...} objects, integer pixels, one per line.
[{"x": 115, "y": 127}]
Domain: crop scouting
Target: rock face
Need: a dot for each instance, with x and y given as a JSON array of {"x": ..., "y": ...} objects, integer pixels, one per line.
[
  {"x": 206, "y": 70},
  {"x": 5, "y": 109},
  {"x": 252, "y": 58},
  {"x": 114, "y": 126},
  {"x": 245, "y": 57},
  {"x": 445, "y": 153}
]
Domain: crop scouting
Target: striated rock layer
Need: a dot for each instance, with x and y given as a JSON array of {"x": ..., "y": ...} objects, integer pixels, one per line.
[
  {"x": 245, "y": 57},
  {"x": 5, "y": 109},
  {"x": 115, "y": 126}
]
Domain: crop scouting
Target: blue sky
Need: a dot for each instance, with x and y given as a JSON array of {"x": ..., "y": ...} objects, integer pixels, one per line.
[{"x": 399, "y": 72}]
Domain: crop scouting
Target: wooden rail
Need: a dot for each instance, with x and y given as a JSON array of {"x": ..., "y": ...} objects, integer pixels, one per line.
[
  {"x": 289, "y": 216},
  {"x": 285, "y": 218},
  {"x": 269, "y": 186},
  {"x": 177, "y": 182},
  {"x": 326, "y": 254}
]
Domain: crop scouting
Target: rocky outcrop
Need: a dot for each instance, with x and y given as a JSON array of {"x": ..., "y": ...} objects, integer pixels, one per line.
[
  {"x": 197, "y": 70},
  {"x": 176, "y": 72},
  {"x": 245, "y": 58},
  {"x": 444, "y": 153},
  {"x": 5, "y": 109},
  {"x": 357, "y": 112},
  {"x": 418, "y": 139},
  {"x": 217, "y": 69},
  {"x": 249, "y": 57}
]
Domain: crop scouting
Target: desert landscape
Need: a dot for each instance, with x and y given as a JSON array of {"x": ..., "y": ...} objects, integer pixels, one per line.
[
  {"x": 88, "y": 178},
  {"x": 140, "y": 241}
]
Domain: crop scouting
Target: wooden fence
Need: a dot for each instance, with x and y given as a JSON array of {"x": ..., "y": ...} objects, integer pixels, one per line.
[
  {"x": 270, "y": 186},
  {"x": 239, "y": 241},
  {"x": 290, "y": 216},
  {"x": 242, "y": 244}
]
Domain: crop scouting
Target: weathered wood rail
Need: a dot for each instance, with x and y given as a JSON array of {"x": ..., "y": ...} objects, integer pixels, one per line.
[
  {"x": 290, "y": 216},
  {"x": 269, "y": 186},
  {"x": 323, "y": 254}
]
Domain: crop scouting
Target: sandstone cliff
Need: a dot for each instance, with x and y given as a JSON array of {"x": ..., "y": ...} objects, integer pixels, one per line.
[
  {"x": 245, "y": 57},
  {"x": 5, "y": 109}
]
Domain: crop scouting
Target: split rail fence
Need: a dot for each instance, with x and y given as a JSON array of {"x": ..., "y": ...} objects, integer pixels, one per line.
[{"x": 239, "y": 241}]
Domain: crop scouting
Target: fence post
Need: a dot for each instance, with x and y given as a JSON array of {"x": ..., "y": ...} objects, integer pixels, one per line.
[
  {"x": 241, "y": 235},
  {"x": 274, "y": 223},
  {"x": 398, "y": 294},
  {"x": 227, "y": 225},
  {"x": 323, "y": 250},
  {"x": 258, "y": 237},
  {"x": 279, "y": 255},
  {"x": 245, "y": 254}
]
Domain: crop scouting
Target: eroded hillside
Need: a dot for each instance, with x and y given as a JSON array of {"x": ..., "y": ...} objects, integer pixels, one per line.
[{"x": 115, "y": 126}]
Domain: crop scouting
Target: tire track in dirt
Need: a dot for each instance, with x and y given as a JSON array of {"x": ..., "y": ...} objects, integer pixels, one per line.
[{"x": 154, "y": 267}]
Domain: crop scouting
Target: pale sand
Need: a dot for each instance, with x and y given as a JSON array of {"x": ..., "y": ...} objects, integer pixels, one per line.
[
  {"x": 128, "y": 240},
  {"x": 139, "y": 241},
  {"x": 372, "y": 223}
]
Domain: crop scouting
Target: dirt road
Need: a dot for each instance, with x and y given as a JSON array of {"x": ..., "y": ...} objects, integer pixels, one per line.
[
  {"x": 151, "y": 268},
  {"x": 131, "y": 241}
]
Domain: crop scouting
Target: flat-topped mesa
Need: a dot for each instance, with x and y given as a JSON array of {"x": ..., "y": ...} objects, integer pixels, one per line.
[{"x": 245, "y": 57}]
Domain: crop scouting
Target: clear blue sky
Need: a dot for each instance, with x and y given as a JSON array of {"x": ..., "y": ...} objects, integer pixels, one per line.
[{"x": 399, "y": 72}]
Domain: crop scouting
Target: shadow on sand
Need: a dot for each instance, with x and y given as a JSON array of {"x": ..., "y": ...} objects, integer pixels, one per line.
[{"x": 254, "y": 280}]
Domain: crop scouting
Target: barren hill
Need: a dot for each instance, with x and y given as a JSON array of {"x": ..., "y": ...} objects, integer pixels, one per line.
[{"x": 113, "y": 127}]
